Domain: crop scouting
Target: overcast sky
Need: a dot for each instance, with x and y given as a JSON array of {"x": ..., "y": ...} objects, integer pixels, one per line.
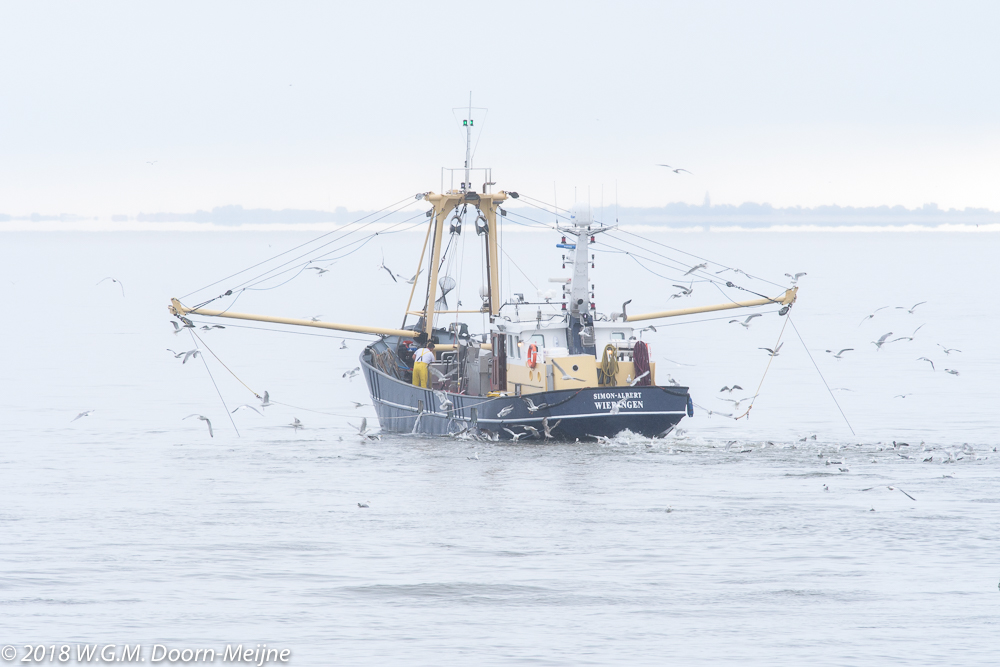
[{"x": 323, "y": 104}]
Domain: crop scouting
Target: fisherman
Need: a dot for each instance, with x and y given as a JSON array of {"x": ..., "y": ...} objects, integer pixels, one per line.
[{"x": 422, "y": 358}]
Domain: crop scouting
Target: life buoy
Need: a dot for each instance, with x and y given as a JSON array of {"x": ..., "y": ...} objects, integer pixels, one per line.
[{"x": 532, "y": 355}]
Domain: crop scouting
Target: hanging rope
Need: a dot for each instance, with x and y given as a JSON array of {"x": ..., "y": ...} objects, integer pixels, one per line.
[
  {"x": 795, "y": 329},
  {"x": 777, "y": 344},
  {"x": 195, "y": 339},
  {"x": 640, "y": 360},
  {"x": 607, "y": 374}
]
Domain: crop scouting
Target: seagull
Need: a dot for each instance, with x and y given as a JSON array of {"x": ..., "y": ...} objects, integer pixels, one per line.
[
  {"x": 153, "y": 162},
  {"x": 204, "y": 419},
  {"x": 638, "y": 378},
  {"x": 353, "y": 373},
  {"x": 414, "y": 278},
  {"x": 266, "y": 401},
  {"x": 313, "y": 318},
  {"x": 953, "y": 372},
  {"x": 674, "y": 382},
  {"x": 343, "y": 344},
  {"x": 677, "y": 171},
  {"x": 736, "y": 402},
  {"x": 516, "y": 436},
  {"x": 795, "y": 278},
  {"x": 881, "y": 341},
  {"x": 363, "y": 429},
  {"x": 530, "y": 429},
  {"x": 685, "y": 291},
  {"x": 910, "y": 310},
  {"x": 248, "y": 407},
  {"x": 565, "y": 376},
  {"x": 475, "y": 455},
  {"x": 602, "y": 439},
  {"x": 948, "y": 350},
  {"x": 694, "y": 268},
  {"x": 724, "y": 414},
  {"x": 443, "y": 401},
  {"x": 177, "y": 355},
  {"x": 296, "y": 424},
  {"x": 868, "y": 317},
  {"x": 114, "y": 280},
  {"x": 773, "y": 352},
  {"x": 321, "y": 270},
  {"x": 441, "y": 375},
  {"x": 359, "y": 405},
  {"x": 665, "y": 165},
  {"x": 837, "y": 356},
  {"x": 745, "y": 323},
  {"x": 387, "y": 269},
  {"x": 189, "y": 354},
  {"x": 893, "y": 488},
  {"x": 901, "y": 395},
  {"x": 505, "y": 411},
  {"x": 731, "y": 389},
  {"x": 910, "y": 337},
  {"x": 364, "y": 505},
  {"x": 85, "y": 413},
  {"x": 928, "y": 361},
  {"x": 178, "y": 328},
  {"x": 548, "y": 428},
  {"x": 209, "y": 327},
  {"x": 531, "y": 406}
]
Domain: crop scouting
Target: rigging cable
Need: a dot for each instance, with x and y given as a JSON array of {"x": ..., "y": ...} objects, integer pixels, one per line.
[
  {"x": 204, "y": 361},
  {"x": 295, "y": 248},
  {"x": 794, "y": 328},
  {"x": 753, "y": 399}
]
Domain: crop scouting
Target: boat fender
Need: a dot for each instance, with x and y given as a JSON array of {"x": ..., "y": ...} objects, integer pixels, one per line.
[
  {"x": 690, "y": 407},
  {"x": 532, "y": 355}
]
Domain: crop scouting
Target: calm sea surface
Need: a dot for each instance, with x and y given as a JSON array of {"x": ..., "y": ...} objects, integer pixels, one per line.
[{"x": 773, "y": 540}]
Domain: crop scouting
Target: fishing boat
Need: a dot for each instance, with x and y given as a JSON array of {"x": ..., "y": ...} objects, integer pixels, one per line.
[{"x": 551, "y": 369}]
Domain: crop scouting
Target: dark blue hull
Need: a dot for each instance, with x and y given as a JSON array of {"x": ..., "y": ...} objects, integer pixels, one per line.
[{"x": 571, "y": 413}]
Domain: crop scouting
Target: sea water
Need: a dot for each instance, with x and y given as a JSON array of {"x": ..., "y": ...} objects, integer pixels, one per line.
[{"x": 780, "y": 538}]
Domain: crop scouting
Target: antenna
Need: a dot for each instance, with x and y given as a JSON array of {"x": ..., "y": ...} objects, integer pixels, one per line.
[{"x": 466, "y": 185}]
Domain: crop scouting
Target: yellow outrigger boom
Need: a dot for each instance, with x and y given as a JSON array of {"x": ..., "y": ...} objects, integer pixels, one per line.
[
  {"x": 787, "y": 299},
  {"x": 176, "y": 308}
]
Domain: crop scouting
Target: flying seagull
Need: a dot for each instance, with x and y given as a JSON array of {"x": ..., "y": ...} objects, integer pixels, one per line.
[
  {"x": 321, "y": 270},
  {"x": 731, "y": 389},
  {"x": 638, "y": 378},
  {"x": 910, "y": 337},
  {"x": 565, "y": 375},
  {"x": 837, "y": 356},
  {"x": 795, "y": 278},
  {"x": 746, "y": 323},
  {"x": 531, "y": 406},
  {"x": 351, "y": 374},
  {"x": 85, "y": 413},
  {"x": 266, "y": 401},
  {"x": 248, "y": 407},
  {"x": 694, "y": 268},
  {"x": 868, "y": 317},
  {"x": 948, "y": 350},
  {"x": 414, "y": 278},
  {"x": 771, "y": 352},
  {"x": 189, "y": 354},
  {"x": 204, "y": 419},
  {"x": 505, "y": 411},
  {"x": 114, "y": 280},
  {"x": 209, "y": 327},
  {"x": 951, "y": 371},
  {"x": 685, "y": 291},
  {"x": 387, "y": 269},
  {"x": 516, "y": 436},
  {"x": 928, "y": 361},
  {"x": 296, "y": 424},
  {"x": 881, "y": 341},
  {"x": 910, "y": 310},
  {"x": 548, "y": 427},
  {"x": 359, "y": 405},
  {"x": 178, "y": 328},
  {"x": 363, "y": 429}
]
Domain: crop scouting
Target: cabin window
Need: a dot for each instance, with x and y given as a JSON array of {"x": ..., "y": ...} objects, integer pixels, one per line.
[
  {"x": 537, "y": 339},
  {"x": 519, "y": 345},
  {"x": 617, "y": 335}
]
